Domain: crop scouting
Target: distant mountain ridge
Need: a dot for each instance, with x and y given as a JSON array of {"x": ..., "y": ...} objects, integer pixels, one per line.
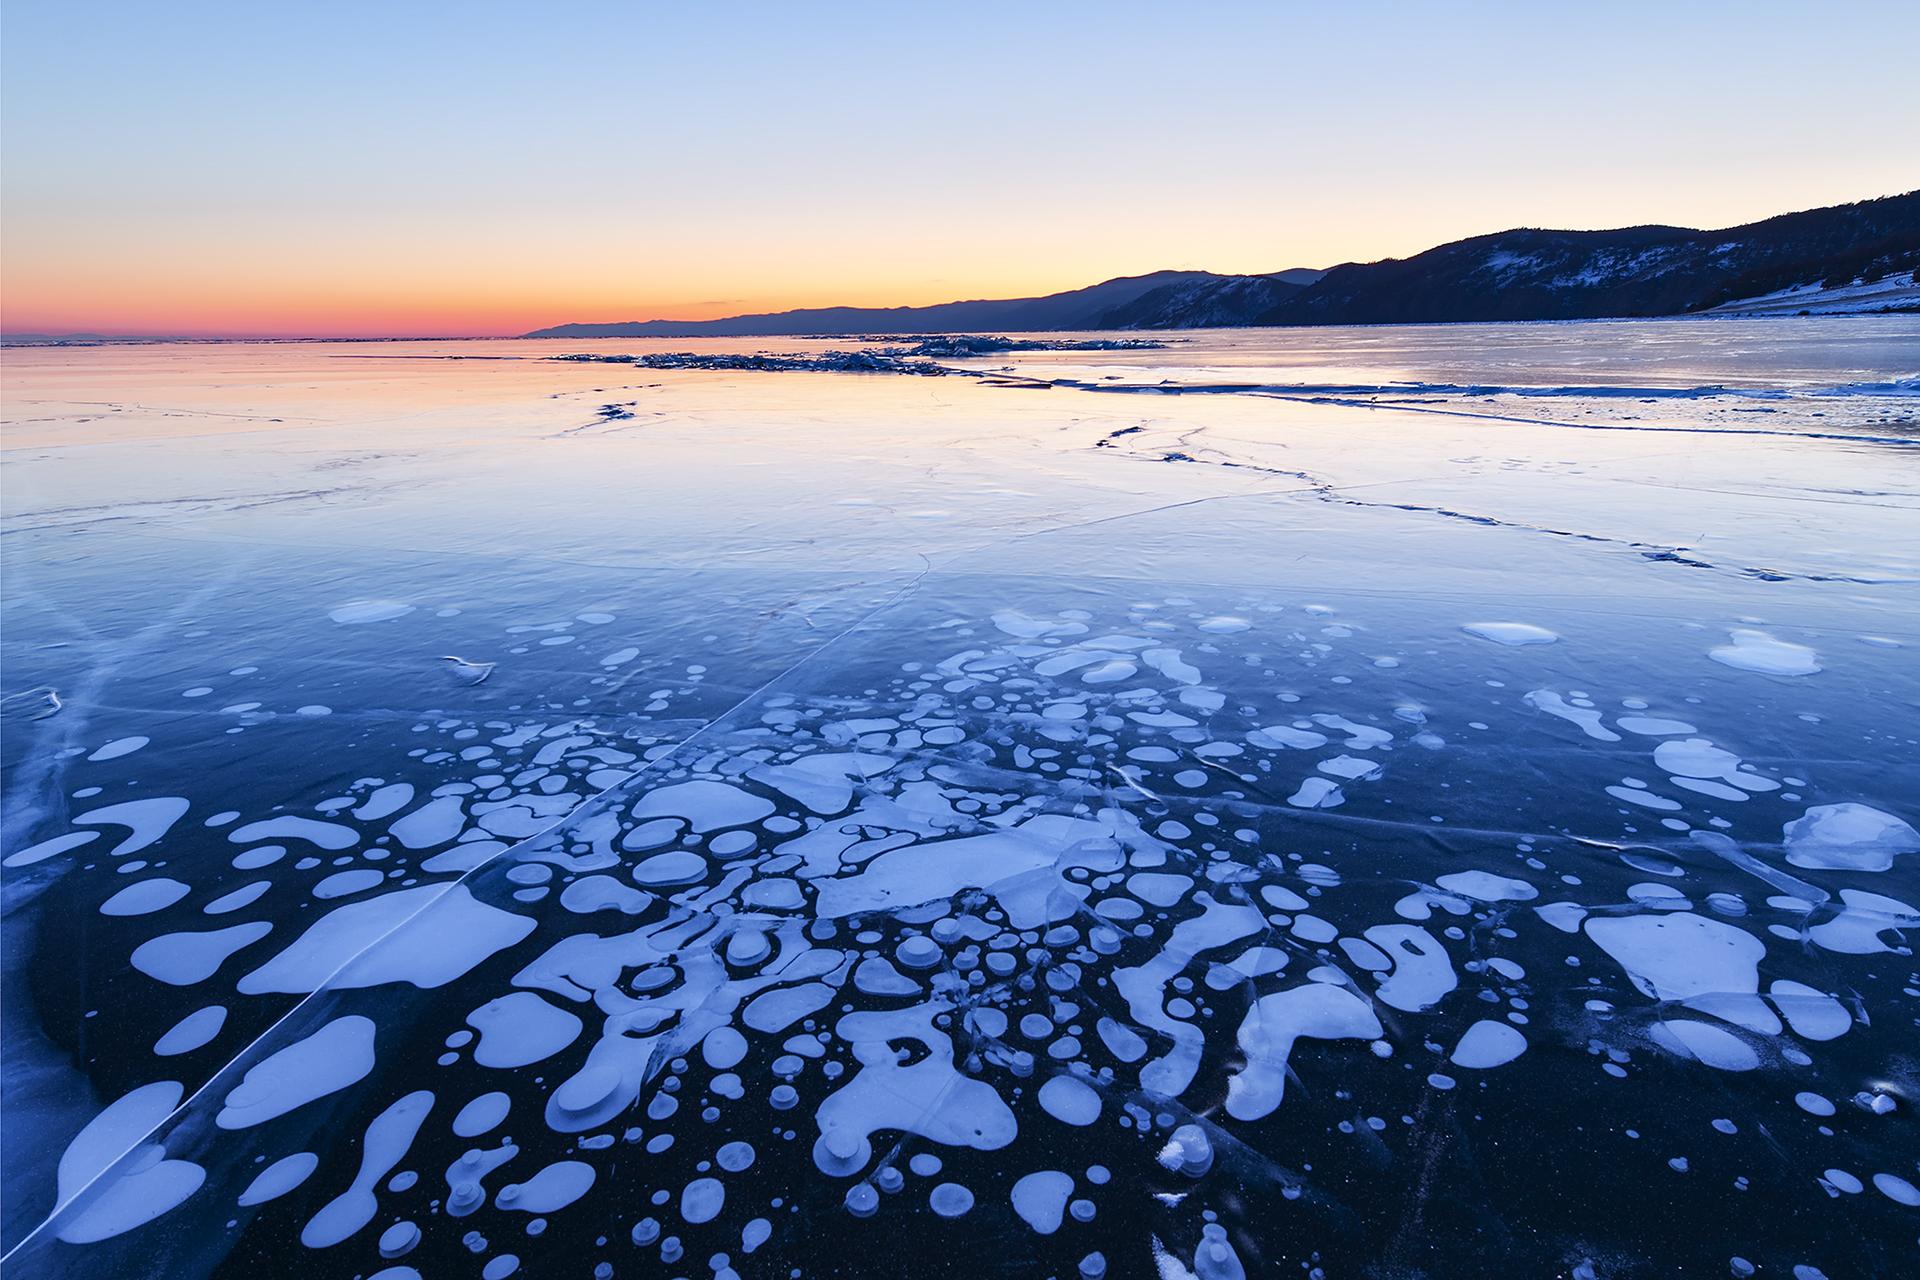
[
  {"x": 1523, "y": 274},
  {"x": 1087, "y": 308}
]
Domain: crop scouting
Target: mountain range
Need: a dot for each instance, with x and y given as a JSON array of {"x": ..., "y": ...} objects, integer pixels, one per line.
[{"x": 1523, "y": 274}]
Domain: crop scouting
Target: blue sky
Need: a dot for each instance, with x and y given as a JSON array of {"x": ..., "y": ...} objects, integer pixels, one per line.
[{"x": 483, "y": 167}]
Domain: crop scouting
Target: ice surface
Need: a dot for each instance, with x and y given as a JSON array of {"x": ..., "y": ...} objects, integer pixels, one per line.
[{"x": 1079, "y": 831}]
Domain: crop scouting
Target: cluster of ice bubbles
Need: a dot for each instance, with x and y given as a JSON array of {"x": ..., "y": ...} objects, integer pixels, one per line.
[{"x": 1057, "y": 887}]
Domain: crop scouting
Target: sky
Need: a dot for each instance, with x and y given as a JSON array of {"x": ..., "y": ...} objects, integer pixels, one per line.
[{"x": 303, "y": 169}]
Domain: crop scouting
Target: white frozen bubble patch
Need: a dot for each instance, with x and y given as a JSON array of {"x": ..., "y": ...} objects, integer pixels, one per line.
[
  {"x": 1510, "y": 633},
  {"x": 1752, "y": 650}
]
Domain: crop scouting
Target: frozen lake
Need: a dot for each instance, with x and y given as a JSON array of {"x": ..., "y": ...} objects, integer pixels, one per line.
[{"x": 1430, "y": 801}]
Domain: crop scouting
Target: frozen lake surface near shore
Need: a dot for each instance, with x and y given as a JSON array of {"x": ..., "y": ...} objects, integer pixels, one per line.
[{"x": 1381, "y": 801}]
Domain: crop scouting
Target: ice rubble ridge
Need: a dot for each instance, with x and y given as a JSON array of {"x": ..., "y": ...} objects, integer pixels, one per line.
[
  {"x": 897, "y": 359},
  {"x": 949, "y": 345},
  {"x": 826, "y": 362}
]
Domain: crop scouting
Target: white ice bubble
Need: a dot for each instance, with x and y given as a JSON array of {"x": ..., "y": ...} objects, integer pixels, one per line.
[
  {"x": 192, "y": 1031},
  {"x": 1188, "y": 1150},
  {"x": 1022, "y": 627},
  {"x": 1587, "y": 718},
  {"x": 706, "y": 806},
  {"x": 385, "y": 1143},
  {"x": 1812, "y": 1013},
  {"x": 676, "y": 866},
  {"x": 1485, "y": 886},
  {"x": 117, "y": 748},
  {"x": 519, "y": 1029},
  {"x": 337, "y": 1055},
  {"x": 264, "y": 855},
  {"x": 1757, "y": 651},
  {"x": 385, "y": 802},
  {"x": 1699, "y": 766},
  {"x": 1317, "y": 793},
  {"x": 1070, "y": 1101},
  {"x": 342, "y": 884},
  {"x": 1703, "y": 963},
  {"x": 937, "y": 869},
  {"x": 1863, "y": 921},
  {"x": 1352, "y": 768},
  {"x": 1272, "y": 1025},
  {"x": 437, "y": 934},
  {"x": 950, "y": 1200},
  {"x": 144, "y": 897},
  {"x": 280, "y": 1177},
  {"x": 723, "y": 1048},
  {"x": 1488, "y": 1044},
  {"x": 1276, "y": 736},
  {"x": 1848, "y": 837},
  {"x": 1510, "y": 633},
  {"x": 483, "y": 1115},
  {"x": 356, "y": 612},
  {"x": 182, "y": 959},
  {"x": 1653, "y": 726},
  {"x": 103, "y": 1201},
  {"x": 49, "y": 848},
  {"x": 1897, "y": 1189},
  {"x": 1715, "y": 1046},
  {"x": 327, "y": 835},
  {"x": 928, "y": 1097},
  {"x": 435, "y": 822},
  {"x": 1162, "y": 889},
  {"x": 702, "y": 1199},
  {"x": 779, "y": 1009},
  {"x": 550, "y": 1190},
  {"x": 1041, "y": 1199},
  {"x": 1422, "y": 971},
  {"x": 146, "y": 820}
]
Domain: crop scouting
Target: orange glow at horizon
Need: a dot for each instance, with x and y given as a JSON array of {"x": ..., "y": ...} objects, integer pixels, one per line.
[
  {"x": 353, "y": 294},
  {"x": 477, "y": 282}
]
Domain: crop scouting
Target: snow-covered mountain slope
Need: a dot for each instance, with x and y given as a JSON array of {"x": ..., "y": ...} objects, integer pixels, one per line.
[
  {"x": 1897, "y": 291},
  {"x": 1531, "y": 274}
]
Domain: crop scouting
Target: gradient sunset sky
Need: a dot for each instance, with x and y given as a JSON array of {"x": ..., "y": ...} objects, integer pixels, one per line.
[{"x": 363, "y": 169}]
